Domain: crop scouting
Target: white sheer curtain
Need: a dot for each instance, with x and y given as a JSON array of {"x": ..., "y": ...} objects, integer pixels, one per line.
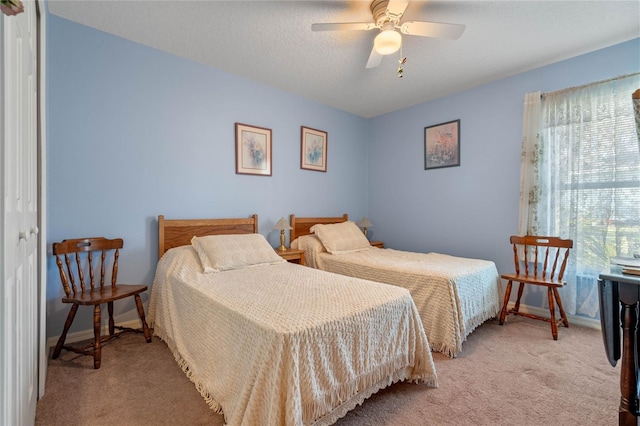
[
  {"x": 528, "y": 161},
  {"x": 636, "y": 109},
  {"x": 581, "y": 180}
]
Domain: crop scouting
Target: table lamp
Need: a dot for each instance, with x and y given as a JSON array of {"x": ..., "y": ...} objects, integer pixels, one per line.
[
  {"x": 281, "y": 225},
  {"x": 364, "y": 224}
]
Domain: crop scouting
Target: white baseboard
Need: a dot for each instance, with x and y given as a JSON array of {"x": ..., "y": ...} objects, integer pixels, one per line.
[
  {"x": 573, "y": 319},
  {"x": 79, "y": 336}
]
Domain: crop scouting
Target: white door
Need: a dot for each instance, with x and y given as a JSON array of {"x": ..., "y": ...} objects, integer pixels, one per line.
[{"x": 19, "y": 259}]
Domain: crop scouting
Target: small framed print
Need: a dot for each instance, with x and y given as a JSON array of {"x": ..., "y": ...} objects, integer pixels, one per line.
[
  {"x": 313, "y": 149},
  {"x": 442, "y": 145},
  {"x": 253, "y": 150}
]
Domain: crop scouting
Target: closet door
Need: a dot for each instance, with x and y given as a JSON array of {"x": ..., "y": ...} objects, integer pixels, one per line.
[{"x": 19, "y": 258}]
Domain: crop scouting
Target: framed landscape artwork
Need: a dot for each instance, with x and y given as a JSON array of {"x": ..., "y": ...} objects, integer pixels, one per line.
[
  {"x": 253, "y": 150},
  {"x": 442, "y": 145},
  {"x": 313, "y": 149}
]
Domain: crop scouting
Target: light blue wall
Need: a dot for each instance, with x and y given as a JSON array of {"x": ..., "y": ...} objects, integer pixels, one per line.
[
  {"x": 469, "y": 210},
  {"x": 133, "y": 132}
]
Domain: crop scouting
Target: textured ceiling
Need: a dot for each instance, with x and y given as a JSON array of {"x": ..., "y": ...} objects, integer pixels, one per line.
[{"x": 272, "y": 42}]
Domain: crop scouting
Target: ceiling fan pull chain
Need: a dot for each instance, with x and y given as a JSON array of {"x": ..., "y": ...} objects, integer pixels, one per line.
[{"x": 400, "y": 63}]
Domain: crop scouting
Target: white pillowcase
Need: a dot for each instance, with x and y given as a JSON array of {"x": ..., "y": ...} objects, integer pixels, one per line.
[
  {"x": 341, "y": 237},
  {"x": 234, "y": 251},
  {"x": 310, "y": 243}
]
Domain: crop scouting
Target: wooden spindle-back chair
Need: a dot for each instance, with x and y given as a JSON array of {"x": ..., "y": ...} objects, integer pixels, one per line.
[
  {"x": 538, "y": 261},
  {"x": 90, "y": 255}
]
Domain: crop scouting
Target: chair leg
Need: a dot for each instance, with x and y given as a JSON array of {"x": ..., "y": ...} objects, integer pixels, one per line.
[
  {"x": 565, "y": 321},
  {"x": 97, "y": 350},
  {"x": 145, "y": 327},
  {"x": 507, "y": 295},
  {"x": 112, "y": 324},
  {"x": 552, "y": 313},
  {"x": 516, "y": 308},
  {"x": 63, "y": 336}
]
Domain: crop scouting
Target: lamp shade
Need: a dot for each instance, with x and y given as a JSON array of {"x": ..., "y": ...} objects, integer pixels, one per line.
[
  {"x": 365, "y": 223},
  {"x": 282, "y": 224},
  {"x": 387, "y": 42}
]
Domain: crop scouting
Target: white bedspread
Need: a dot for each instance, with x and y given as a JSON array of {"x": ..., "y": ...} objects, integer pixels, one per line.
[
  {"x": 454, "y": 295},
  {"x": 285, "y": 344}
]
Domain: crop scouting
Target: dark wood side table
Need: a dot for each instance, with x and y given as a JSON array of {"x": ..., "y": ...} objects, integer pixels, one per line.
[
  {"x": 292, "y": 255},
  {"x": 378, "y": 244},
  {"x": 619, "y": 296}
]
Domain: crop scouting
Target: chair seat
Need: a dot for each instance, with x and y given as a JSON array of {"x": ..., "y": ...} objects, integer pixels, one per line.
[
  {"x": 530, "y": 279},
  {"x": 105, "y": 294}
]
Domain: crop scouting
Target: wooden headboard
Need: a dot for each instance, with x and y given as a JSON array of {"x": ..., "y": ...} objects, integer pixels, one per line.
[
  {"x": 301, "y": 225},
  {"x": 178, "y": 232}
]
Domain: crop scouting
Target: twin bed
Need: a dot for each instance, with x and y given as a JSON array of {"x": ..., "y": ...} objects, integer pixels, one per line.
[
  {"x": 453, "y": 295},
  {"x": 271, "y": 342}
]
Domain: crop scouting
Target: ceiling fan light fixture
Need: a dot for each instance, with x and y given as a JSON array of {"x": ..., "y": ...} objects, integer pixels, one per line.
[{"x": 387, "y": 42}]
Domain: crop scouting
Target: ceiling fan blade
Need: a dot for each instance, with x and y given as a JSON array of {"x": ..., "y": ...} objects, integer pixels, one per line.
[
  {"x": 345, "y": 26},
  {"x": 375, "y": 59},
  {"x": 433, "y": 29},
  {"x": 397, "y": 7}
]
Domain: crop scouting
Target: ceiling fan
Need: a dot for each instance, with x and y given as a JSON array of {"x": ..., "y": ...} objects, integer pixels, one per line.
[{"x": 386, "y": 17}]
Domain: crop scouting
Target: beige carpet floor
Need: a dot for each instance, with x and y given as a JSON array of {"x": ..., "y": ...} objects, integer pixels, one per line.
[{"x": 514, "y": 374}]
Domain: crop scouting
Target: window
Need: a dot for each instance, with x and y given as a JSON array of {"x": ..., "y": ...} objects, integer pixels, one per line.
[{"x": 583, "y": 168}]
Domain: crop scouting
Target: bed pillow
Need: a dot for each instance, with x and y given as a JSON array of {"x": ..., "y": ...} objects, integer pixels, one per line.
[
  {"x": 341, "y": 237},
  {"x": 309, "y": 243},
  {"x": 224, "y": 252}
]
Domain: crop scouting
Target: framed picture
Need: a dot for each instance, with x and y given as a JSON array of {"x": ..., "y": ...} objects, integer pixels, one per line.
[
  {"x": 442, "y": 145},
  {"x": 253, "y": 150},
  {"x": 313, "y": 149}
]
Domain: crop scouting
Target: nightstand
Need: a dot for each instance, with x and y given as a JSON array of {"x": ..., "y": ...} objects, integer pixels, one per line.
[
  {"x": 378, "y": 244},
  {"x": 292, "y": 255}
]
